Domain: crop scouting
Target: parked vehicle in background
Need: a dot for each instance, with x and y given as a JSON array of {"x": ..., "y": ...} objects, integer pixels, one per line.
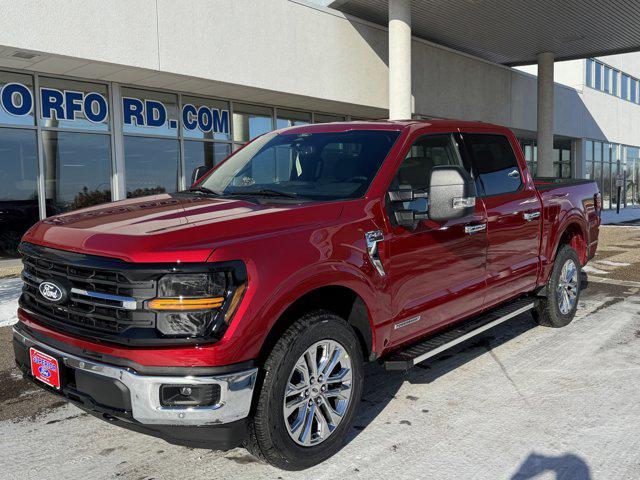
[{"x": 241, "y": 311}]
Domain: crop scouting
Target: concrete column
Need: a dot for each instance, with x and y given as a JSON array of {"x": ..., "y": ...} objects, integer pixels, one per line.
[
  {"x": 399, "y": 59},
  {"x": 545, "y": 115}
]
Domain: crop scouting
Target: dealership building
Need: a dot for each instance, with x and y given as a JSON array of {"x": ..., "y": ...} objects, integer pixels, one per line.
[{"x": 102, "y": 101}]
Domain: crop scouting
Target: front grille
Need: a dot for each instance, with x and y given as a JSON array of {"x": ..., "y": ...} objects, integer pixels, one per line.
[
  {"x": 96, "y": 300},
  {"x": 106, "y": 295}
]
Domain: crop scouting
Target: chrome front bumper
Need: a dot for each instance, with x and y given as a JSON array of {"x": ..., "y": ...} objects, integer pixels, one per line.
[{"x": 236, "y": 390}]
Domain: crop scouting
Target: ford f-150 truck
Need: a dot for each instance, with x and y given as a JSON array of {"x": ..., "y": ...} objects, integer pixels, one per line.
[{"x": 242, "y": 310}]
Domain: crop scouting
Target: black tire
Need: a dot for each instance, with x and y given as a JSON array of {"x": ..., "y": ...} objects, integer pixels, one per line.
[
  {"x": 268, "y": 437},
  {"x": 548, "y": 310}
]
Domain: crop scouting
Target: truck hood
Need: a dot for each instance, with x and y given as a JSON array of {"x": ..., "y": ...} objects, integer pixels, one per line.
[{"x": 174, "y": 227}]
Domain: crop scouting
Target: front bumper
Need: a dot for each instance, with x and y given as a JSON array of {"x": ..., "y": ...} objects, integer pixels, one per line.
[{"x": 117, "y": 393}]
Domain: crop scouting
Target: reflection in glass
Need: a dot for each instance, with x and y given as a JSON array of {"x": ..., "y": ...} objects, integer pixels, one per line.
[
  {"x": 197, "y": 133},
  {"x": 291, "y": 118},
  {"x": 27, "y": 81},
  {"x": 129, "y": 111},
  {"x": 251, "y": 121},
  {"x": 18, "y": 195},
  {"x": 324, "y": 118},
  {"x": 589, "y": 76},
  {"x": 151, "y": 165},
  {"x": 77, "y": 170},
  {"x": 598, "y": 81},
  {"x": 208, "y": 154},
  {"x": 80, "y": 122}
]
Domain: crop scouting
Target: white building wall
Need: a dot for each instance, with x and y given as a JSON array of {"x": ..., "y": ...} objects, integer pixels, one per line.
[{"x": 293, "y": 53}]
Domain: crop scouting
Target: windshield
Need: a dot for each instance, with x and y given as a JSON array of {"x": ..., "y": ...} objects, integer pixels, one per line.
[{"x": 324, "y": 166}]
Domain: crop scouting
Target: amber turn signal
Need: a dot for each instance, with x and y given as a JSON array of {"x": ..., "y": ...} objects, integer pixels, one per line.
[{"x": 182, "y": 304}]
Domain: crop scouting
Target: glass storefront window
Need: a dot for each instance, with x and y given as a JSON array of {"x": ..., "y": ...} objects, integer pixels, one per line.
[
  {"x": 70, "y": 104},
  {"x": 208, "y": 154},
  {"x": 149, "y": 113},
  {"x": 151, "y": 165},
  {"x": 18, "y": 102},
  {"x": 205, "y": 119},
  {"x": 251, "y": 121},
  {"x": 624, "y": 87},
  {"x": 291, "y": 118},
  {"x": 324, "y": 118},
  {"x": 18, "y": 195},
  {"x": 598, "y": 76},
  {"x": 77, "y": 170},
  {"x": 589, "y": 72}
]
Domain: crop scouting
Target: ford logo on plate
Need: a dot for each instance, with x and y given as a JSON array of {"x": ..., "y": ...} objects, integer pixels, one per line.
[
  {"x": 44, "y": 371},
  {"x": 52, "y": 291}
]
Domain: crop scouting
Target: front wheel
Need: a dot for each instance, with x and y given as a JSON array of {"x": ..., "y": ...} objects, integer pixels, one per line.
[
  {"x": 559, "y": 307},
  {"x": 311, "y": 387}
]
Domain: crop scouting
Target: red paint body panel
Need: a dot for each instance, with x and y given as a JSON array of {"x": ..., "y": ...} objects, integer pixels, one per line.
[{"x": 293, "y": 248}]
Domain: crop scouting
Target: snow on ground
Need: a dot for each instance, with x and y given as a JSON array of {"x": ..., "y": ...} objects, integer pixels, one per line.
[
  {"x": 594, "y": 270},
  {"x": 626, "y": 215},
  {"x": 519, "y": 402},
  {"x": 9, "y": 291}
]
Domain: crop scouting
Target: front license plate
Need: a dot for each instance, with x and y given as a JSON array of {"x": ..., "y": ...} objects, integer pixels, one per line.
[{"x": 45, "y": 368}]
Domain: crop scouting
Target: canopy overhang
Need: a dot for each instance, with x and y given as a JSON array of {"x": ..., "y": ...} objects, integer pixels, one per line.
[{"x": 514, "y": 32}]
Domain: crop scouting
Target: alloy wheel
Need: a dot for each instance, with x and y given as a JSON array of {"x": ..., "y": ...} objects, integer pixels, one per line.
[
  {"x": 318, "y": 393},
  {"x": 567, "y": 290}
]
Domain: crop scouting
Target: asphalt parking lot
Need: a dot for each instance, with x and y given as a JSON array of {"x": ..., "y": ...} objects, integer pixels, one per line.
[{"x": 519, "y": 402}]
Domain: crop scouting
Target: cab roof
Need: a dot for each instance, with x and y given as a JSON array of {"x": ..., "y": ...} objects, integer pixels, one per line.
[{"x": 443, "y": 124}]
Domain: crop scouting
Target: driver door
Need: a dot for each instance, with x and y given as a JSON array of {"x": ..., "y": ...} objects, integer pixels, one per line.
[{"x": 436, "y": 270}]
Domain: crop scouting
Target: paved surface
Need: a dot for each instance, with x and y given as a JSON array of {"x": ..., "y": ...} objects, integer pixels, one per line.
[{"x": 520, "y": 402}]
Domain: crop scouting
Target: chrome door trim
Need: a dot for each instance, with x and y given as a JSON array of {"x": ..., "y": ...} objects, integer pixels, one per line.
[
  {"x": 528, "y": 216},
  {"x": 373, "y": 238},
  {"x": 471, "y": 229}
]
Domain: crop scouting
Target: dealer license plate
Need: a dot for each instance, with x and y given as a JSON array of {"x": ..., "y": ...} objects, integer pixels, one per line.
[{"x": 45, "y": 368}]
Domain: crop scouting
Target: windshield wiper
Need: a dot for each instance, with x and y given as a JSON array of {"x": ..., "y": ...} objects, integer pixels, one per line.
[
  {"x": 264, "y": 192},
  {"x": 206, "y": 190}
]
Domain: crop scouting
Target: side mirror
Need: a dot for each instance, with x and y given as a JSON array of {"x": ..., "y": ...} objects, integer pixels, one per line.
[
  {"x": 198, "y": 173},
  {"x": 452, "y": 193}
]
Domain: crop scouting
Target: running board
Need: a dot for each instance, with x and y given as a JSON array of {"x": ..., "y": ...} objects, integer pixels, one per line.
[{"x": 431, "y": 346}]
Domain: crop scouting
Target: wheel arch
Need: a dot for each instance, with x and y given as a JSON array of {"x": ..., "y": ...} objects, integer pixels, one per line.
[
  {"x": 573, "y": 234},
  {"x": 338, "y": 299}
]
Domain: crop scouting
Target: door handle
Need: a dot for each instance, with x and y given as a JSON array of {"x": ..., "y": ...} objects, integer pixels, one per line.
[
  {"x": 471, "y": 229},
  {"x": 528, "y": 216},
  {"x": 513, "y": 173}
]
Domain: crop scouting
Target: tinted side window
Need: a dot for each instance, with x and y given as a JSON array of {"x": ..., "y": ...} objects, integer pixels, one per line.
[{"x": 495, "y": 164}]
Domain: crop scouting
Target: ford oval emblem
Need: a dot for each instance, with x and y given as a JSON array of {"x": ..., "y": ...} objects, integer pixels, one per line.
[
  {"x": 52, "y": 291},
  {"x": 44, "y": 371}
]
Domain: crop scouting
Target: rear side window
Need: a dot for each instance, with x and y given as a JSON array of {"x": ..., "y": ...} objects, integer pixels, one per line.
[{"x": 495, "y": 164}]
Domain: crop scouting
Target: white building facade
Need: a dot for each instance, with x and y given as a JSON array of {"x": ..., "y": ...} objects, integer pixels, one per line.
[{"x": 106, "y": 101}]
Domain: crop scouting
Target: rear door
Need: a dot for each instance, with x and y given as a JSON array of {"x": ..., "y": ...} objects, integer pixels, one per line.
[
  {"x": 436, "y": 270},
  {"x": 514, "y": 215}
]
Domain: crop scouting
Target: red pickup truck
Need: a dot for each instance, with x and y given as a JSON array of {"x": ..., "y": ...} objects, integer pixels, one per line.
[{"x": 242, "y": 310}]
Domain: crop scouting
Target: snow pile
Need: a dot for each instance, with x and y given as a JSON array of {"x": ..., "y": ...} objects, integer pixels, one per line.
[
  {"x": 610, "y": 217},
  {"x": 10, "y": 289}
]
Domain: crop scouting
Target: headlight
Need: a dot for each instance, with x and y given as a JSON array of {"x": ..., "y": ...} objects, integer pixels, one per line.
[{"x": 197, "y": 304}]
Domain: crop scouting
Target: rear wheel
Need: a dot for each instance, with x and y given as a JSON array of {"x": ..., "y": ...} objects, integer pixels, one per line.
[
  {"x": 559, "y": 307},
  {"x": 311, "y": 387}
]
